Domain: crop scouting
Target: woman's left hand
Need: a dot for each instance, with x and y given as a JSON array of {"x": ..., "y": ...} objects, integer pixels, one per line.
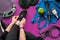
[{"x": 14, "y": 19}]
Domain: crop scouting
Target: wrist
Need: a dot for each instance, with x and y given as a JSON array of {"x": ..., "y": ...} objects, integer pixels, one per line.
[
  {"x": 21, "y": 26},
  {"x": 12, "y": 23}
]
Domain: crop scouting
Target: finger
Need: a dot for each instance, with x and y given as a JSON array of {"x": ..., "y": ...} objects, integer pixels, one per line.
[
  {"x": 24, "y": 19},
  {"x": 15, "y": 17}
]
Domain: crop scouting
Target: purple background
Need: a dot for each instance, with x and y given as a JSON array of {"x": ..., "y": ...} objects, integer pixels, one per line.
[{"x": 29, "y": 27}]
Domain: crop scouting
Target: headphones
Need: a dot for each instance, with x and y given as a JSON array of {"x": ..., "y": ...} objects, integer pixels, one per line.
[{"x": 49, "y": 32}]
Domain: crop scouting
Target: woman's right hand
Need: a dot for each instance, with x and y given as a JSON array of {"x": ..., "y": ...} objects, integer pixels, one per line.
[{"x": 22, "y": 22}]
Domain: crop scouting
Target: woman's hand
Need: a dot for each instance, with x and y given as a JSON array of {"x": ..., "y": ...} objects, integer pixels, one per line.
[
  {"x": 22, "y": 35},
  {"x": 22, "y": 22},
  {"x": 14, "y": 19}
]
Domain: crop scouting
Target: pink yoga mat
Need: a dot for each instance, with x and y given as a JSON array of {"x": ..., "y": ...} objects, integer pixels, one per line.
[{"x": 29, "y": 27}]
